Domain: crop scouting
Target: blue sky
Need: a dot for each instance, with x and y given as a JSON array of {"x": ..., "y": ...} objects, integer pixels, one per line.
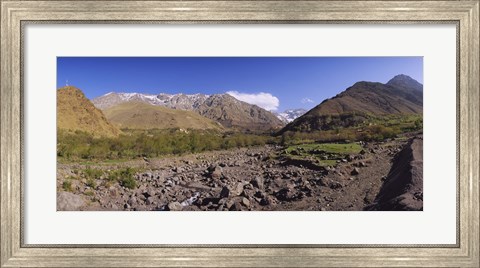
[{"x": 286, "y": 82}]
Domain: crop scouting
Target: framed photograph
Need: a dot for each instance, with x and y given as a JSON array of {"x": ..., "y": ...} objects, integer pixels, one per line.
[{"x": 240, "y": 133}]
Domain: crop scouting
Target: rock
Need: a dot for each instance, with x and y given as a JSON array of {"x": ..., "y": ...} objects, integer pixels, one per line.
[
  {"x": 215, "y": 172},
  {"x": 258, "y": 182},
  {"x": 238, "y": 189},
  {"x": 350, "y": 158},
  {"x": 132, "y": 201},
  {"x": 149, "y": 201},
  {"x": 285, "y": 194},
  {"x": 177, "y": 169},
  {"x": 225, "y": 192},
  {"x": 69, "y": 202},
  {"x": 246, "y": 202},
  {"x": 362, "y": 152},
  {"x": 175, "y": 206},
  {"x": 355, "y": 171},
  {"x": 330, "y": 183},
  {"x": 267, "y": 200},
  {"x": 235, "y": 207}
]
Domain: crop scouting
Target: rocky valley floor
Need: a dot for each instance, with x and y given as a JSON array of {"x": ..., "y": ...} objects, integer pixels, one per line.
[{"x": 256, "y": 179}]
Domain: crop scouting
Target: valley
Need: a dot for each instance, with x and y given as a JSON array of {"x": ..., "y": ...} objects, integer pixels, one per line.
[
  {"x": 359, "y": 150},
  {"x": 257, "y": 178}
]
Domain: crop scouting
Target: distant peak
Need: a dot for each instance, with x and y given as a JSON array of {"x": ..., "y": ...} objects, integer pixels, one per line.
[
  {"x": 401, "y": 78},
  {"x": 406, "y": 81}
]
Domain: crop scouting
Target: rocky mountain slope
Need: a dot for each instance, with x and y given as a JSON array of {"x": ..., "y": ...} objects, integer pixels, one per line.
[
  {"x": 140, "y": 115},
  {"x": 222, "y": 108},
  {"x": 233, "y": 113},
  {"x": 291, "y": 114},
  {"x": 76, "y": 112},
  {"x": 400, "y": 95},
  {"x": 174, "y": 101}
]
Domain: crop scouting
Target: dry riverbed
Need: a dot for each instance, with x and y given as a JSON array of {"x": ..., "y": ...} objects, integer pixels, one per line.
[{"x": 260, "y": 178}]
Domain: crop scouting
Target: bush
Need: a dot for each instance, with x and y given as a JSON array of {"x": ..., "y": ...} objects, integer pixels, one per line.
[
  {"x": 67, "y": 186},
  {"x": 125, "y": 176},
  {"x": 91, "y": 183},
  {"x": 129, "y": 182}
]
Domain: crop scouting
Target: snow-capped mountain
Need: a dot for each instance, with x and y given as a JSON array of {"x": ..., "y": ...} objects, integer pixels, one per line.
[
  {"x": 291, "y": 114},
  {"x": 222, "y": 108},
  {"x": 174, "y": 101}
]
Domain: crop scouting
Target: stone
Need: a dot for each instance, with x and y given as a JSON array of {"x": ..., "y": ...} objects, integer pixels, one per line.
[
  {"x": 175, "y": 206},
  {"x": 69, "y": 202},
  {"x": 215, "y": 172},
  {"x": 285, "y": 194},
  {"x": 225, "y": 192},
  {"x": 355, "y": 171},
  {"x": 150, "y": 201},
  {"x": 258, "y": 182},
  {"x": 330, "y": 183},
  {"x": 132, "y": 201},
  {"x": 238, "y": 189},
  {"x": 246, "y": 202}
]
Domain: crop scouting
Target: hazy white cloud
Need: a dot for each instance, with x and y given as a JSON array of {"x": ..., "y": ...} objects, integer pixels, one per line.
[
  {"x": 307, "y": 100},
  {"x": 265, "y": 100}
]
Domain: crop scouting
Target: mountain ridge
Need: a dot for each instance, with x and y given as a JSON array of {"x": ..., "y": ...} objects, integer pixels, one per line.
[
  {"x": 223, "y": 108},
  {"x": 401, "y": 95}
]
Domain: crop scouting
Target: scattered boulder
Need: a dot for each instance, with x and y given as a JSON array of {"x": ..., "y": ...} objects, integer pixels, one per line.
[
  {"x": 329, "y": 183},
  {"x": 225, "y": 192},
  {"x": 175, "y": 206},
  {"x": 215, "y": 172},
  {"x": 355, "y": 171},
  {"x": 246, "y": 202},
  {"x": 67, "y": 201},
  {"x": 258, "y": 182}
]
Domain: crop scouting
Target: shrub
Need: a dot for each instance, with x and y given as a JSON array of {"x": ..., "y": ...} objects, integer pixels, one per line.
[
  {"x": 91, "y": 183},
  {"x": 91, "y": 173},
  {"x": 67, "y": 186},
  {"x": 129, "y": 182}
]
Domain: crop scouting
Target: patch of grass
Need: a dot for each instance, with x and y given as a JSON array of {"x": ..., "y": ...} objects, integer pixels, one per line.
[
  {"x": 328, "y": 162},
  {"x": 125, "y": 176},
  {"x": 89, "y": 193},
  {"x": 324, "y": 154},
  {"x": 129, "y": 183},
  {"x": 67, "y": 186},
  {"x": 91, "y": 183},
  {"x": 92, "y": 173},
  {"x": 333, "y": 148}
]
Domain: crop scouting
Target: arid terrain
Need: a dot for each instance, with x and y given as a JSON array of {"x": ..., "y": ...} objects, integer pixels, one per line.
[{"x": 245, "y": 179}]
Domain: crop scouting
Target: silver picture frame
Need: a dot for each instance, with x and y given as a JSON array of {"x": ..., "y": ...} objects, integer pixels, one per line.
[{"x": 16, "y": 14}]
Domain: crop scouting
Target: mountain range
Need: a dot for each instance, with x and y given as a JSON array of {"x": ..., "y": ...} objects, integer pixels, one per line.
[
  {"x": 106, "y": 114},
  {"x": 222, "y": 108},
  {"x": 400, "y": 95},
  {"x": 291, "y": 114}
]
